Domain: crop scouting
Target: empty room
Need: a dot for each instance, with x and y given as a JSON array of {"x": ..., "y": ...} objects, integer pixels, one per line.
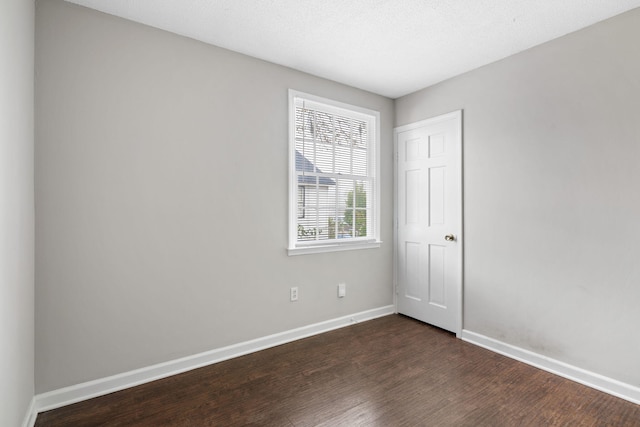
[{"x": 336, "y": 213}]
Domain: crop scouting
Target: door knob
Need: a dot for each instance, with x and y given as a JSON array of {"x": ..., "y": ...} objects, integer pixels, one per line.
[{"x": 449, "y": 237}]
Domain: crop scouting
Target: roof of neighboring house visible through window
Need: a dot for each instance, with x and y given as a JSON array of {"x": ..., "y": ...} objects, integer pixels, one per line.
[{"x": 304, "y": 165}]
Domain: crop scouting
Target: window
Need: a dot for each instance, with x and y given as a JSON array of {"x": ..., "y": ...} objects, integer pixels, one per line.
[{"x": 333, "y": 169}]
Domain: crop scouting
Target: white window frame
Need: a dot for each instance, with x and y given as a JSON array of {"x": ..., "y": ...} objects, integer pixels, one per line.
[{"x": 373, "y": 118}]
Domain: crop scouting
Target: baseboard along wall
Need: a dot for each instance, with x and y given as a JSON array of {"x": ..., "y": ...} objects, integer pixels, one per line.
[
  {"x": 573, "y": 373},
  {"x": 88, "y": 390},
  {"x": 32, "y": 413}
]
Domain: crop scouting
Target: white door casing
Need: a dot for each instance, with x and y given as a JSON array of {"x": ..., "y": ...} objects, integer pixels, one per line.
[{"x": 428, "y": 243}]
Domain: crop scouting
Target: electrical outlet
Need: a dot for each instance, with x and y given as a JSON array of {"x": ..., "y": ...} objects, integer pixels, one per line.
[
  {"x": 293, "y": 293},
  {"x": 342, "y": 290}
]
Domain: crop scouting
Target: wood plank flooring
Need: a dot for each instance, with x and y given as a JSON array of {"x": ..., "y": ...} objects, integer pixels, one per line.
[{"x": 392, "y": 371}]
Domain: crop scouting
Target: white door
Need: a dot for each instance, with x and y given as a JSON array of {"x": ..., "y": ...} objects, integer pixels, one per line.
[{"x": 429, "y": 221}]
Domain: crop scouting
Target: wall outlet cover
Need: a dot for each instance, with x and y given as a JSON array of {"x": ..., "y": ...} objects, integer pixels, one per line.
[{"x": 342, "y": 290}]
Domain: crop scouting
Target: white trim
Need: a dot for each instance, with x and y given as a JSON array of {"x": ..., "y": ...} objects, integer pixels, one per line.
[
  {"x": 31, "y": 415},
  {"x": 428, "y": 122},
  {"x": 599, "y": 382},
  {"x": 79, "y": 392},
  {"x": 335, "y": 107},
  {"x": 460, "y": 146},
  {"x": 395, "y": 220},
  {"x": 303, "y": 250}
]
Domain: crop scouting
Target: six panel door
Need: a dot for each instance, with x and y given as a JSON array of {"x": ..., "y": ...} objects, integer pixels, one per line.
[{"x": 429, "y": 221}]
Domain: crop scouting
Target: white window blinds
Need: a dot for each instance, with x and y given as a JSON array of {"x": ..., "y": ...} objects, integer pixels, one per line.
[{"x": 334, "y": 174}]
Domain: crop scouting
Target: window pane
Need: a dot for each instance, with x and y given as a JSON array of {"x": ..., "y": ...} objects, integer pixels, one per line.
[
  {"x": 324, "y": 158},
  {"x": 307, "y": 225},
  {"x": 325, "y": 215},
  {"x": 355, "y": 215},
  {"x": 360, "y": 223},
  {"x": 311, "y": 195},
  {"x": 345, "y": 207},
  {"x": 343, "y": 130},
  {"x": 306, "y": 149},
  {"x": 304, "y": 123},
  {"x": 324, "y": 127},
  {"x": 359, "y": 162},
  {"x": 301, "y": 201},
  {"x": 359, "y": 135},
  {"x": 343, "y": 159}
]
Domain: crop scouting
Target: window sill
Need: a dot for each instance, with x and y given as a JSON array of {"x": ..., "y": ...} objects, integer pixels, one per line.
[{"x": 304, "y": 250}]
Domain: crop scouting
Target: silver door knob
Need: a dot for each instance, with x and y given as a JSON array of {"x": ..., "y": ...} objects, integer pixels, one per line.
[{"x": 449, "y": 237}]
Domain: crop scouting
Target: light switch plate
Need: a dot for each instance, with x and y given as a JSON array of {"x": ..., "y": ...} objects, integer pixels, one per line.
[{"x": 342, "y": 290}]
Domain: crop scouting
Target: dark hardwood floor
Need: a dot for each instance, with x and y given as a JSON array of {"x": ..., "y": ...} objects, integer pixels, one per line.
[{"x": 392, "y": 371}]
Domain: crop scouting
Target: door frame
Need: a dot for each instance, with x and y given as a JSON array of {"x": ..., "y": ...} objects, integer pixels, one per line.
[{"x": 457, "y": 115}]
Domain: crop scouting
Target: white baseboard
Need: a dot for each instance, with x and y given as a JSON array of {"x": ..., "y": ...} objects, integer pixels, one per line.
[
  {"x": 30, "y": 416},
  {"x": 582, "y": 376},
  {"x": 84, "y": 391}
]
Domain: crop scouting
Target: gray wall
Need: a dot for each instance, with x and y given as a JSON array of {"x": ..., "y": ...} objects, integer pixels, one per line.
[
  {"x": 161, "y": 190},
  {"x": 16, "y": 210},
  {"x": 552, "y": 195}
]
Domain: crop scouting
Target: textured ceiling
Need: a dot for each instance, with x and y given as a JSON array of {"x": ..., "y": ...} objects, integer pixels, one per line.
[{"x": 389, "y": 47}]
